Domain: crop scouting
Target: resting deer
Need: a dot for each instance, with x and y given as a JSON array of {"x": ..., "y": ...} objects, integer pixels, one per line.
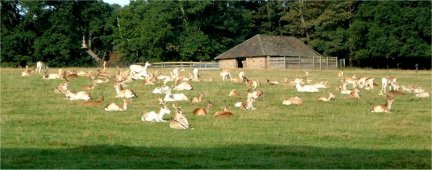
[
  {"x": 47, "y": 76},
  {"x": 293, "y": 100},
  {"x": 197, "y": 99},
  {"x": 183, "y": 86},
  {"x": 203, "y": 111},
  {"x": 224, "y": 113},
  {"x": 384, "y": 107},
  {"x": 92, "y": 87},
  {"x": 62, "y": 88},
  {"x": 94, "y": 102},
  {"x": 174, "y": 97},
  {"x": 26, "y": 72},
  {"x": 138, "y": 71},
  {"x": 422, "y": 95},
  {"x": 179, "y": 121},
  {"x": 331, "y": 96},
  {"x": 233, "y": 93},
  {"x": 114, "y": 107},
  {"x": 272, "y": 82},
  {"x": 305, "y": 88},
  {"x": 156, "y": 117},
  {"x": 123, "y": 93},
  {"x": 82, "y": 95},
  {"x": 161, "y": 90},
  {"x": 354, "y": 94},
  {"x": 247, "y": 105}
]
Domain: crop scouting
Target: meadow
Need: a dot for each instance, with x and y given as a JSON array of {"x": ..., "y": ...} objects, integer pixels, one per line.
[{"x": 41, "y": 129}]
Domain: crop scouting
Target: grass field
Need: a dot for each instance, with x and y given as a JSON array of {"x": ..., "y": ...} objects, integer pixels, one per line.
[{"x": 41, "y": 129}]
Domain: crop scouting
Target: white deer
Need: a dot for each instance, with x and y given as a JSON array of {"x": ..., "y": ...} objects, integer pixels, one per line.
[
  {"x": 138, "y": 71},
  {"x": 183, "y": 86},
  {"x": 125, "y": 93},
  {"x": 305, "y": 88},
  {"x": 152, "y": 116},
  {"x": 39, "y": 66},
  {"x": 114, "y": 107},
  {"x": 389, "y": 82},
  {"x": 174, "y": 97},
  {"x": 225, "y": 75},
  {"x": 195, "y": 73}
]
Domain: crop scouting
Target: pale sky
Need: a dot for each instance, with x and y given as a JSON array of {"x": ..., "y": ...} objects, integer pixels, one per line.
[{"x": 120, "y": 2}]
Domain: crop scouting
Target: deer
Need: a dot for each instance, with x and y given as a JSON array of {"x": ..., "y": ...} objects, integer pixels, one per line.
[
  {"x": 203, "y": 111},
  {"x": 195, "y": 74},
  {"x": 161, "y": 90},
  {"x": 247, "y": 105},
  {"x": 389, "y": 82},
  {"x": 224, "y": 113},
  {"x": 197, "y": 99},
  {"x": 241, "y": 76},
  {"x": 114, "y": 107},
  {"x": 422, "y": 95},
  {"x": 39, "y": 66},
  {"x": 305, "y": 88},
  {"x": 225, "y": 75},
  {"x": 62, "y": 88},
  {"x": 330, "y": 97},
  {"x": 124, "y": 93},
  {"x": 152, "y": 116},
  {"x": 138, "y": 71},
  {"x": 250, "y": 83},
  {"x": 82, "y": 95},
  {"x": 47, "y": 76},
  {"x": 350, "y": 80},
  {"x": 92, "y": 87},
  {"x": 255, "y": 94},
  {"x": 354, "y": 94},
  {"x": 233, "y": 93},
  {"x": 183, "y": 86},
  {"x": 94, "y": 102},
  {"x": 272, "y": 82},
  {"x": 26, "y": 72},
  {"x": 179, "y": 121},
  {"x": 383, "y": 107},
  {"x": 174, "y": 97},
  {"x": 293, "y": 100}
]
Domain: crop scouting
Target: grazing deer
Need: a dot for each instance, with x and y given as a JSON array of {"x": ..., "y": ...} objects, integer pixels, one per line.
[
  {"x": 293, "y": 100},
  {"x": 156, "y": 117},
  {"x": 224, "y": 113},
  {"x": 233, "y": 93},
  {"x": 124, "y": 93},
  {"x": 114, "y": 107},
  {"x": 389, "y": 82},
  {"x": 272, "y": 82},
  {"x": 26, "y": 72},
  {"x": 326, "y": 99},
  {"x": 183, "y": 86},
  {"x": 93, "y": 103},
  {"x": 203, "y": 111},
  {"x": 384, "y": 107},
  {"x": 305, "y": 88},
  {"x": 82, "y": 95},
  {"x": 179, "y": 121},
  {"x": 197, "y": 99},
  {"x": 225, "y": 75},
  {"x": 138, "y": 71},
  {"x": 39, "y": 66}
]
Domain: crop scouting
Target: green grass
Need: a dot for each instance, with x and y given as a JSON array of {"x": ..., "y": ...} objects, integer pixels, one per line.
[{"x": 41, "y": 129}]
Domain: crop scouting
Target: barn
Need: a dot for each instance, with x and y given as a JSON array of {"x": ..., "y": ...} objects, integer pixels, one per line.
[{"x": 274, "y": 52}]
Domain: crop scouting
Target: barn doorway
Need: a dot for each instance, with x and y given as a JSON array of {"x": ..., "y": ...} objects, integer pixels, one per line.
[{"x": 240, "y": 62}]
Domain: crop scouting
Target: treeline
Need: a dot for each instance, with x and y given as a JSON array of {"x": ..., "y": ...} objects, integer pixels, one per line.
[{"x": 377, "y": 34}]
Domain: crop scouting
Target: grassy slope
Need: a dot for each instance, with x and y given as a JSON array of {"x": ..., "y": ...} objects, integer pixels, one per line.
[{"x": 40, "y": 129}]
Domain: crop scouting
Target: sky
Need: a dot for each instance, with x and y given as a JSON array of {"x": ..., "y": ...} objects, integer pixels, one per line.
[{"x": 120, "y": 2}]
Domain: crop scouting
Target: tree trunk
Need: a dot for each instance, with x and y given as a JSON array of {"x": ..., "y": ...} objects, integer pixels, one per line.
[{"x": 89, "y": 50}]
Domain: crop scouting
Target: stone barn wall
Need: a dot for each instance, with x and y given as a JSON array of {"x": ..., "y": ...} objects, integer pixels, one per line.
[
  {"x": 256, "y": 63},
  {"x": 227, "y": 63}
]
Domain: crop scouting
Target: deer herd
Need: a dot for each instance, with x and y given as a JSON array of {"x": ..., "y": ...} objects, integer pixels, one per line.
[{"x": 349, "y": 86}]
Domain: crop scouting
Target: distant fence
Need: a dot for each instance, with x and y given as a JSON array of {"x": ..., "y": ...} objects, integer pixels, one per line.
[
  {"x": 317, "y": 62},
  {"x": 183, "y": 64}
]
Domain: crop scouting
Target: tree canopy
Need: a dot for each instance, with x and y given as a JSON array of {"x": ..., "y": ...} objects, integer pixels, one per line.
[{"x": 379, "y": 34}]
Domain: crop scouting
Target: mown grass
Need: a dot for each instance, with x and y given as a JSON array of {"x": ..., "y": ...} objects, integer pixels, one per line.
[{"x": 41, "y": 129}]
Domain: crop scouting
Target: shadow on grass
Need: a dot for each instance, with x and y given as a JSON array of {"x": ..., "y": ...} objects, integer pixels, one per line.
[{"x": 236, "y": 156}]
